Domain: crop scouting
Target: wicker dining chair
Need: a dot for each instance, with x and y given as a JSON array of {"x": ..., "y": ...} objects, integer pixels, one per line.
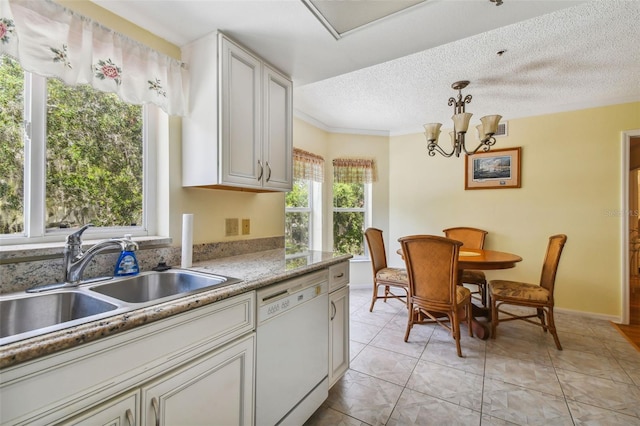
[
  {"x": 472, "y": 238},
  {"x": 538, "y": 296},
  {"x": 432, "y": 268},
  {"x": 383, "y": 275}
]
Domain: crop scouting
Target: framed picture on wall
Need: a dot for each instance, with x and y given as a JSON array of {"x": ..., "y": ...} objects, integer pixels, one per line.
[{"x": 499, "y": 168}]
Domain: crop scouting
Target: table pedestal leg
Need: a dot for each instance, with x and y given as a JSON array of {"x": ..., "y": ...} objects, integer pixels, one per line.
[{"x": 480, "y": 330}]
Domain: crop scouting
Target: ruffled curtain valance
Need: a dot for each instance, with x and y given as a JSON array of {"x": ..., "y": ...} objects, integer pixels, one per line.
[
  {"x": 307, "y": 165},
  {"x": 354, "y": 170},
  {"x": 52, "y": 41}
]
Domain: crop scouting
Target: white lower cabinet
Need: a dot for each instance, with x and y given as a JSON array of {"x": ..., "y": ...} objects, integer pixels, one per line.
[
  {"x": 214, "y": 390},
  {"x": 192, "y": 368},
  {"x": 122, "y": 410},
  {"x": 338, "y": 334},
  {"x": 338, "y": 321}
]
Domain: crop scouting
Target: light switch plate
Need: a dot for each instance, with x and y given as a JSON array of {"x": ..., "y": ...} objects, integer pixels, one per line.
[
  {"x": 246, "y": 226},
  {"x": 231, "y": 227}
]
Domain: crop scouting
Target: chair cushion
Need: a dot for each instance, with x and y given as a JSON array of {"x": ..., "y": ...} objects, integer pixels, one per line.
[
  {"x": 473, "y": 277},
  {"x": 519, "y": 291},
  {"x": 462, "y": 293},
  {"x": 398, "y": 275}
]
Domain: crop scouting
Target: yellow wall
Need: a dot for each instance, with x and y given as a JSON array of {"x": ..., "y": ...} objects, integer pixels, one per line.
[
  {"x": 210, "y": 207},
  {"x": 571, "y": 183}
]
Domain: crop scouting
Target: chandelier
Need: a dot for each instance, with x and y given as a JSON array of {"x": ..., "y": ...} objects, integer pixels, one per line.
[{"x": 460, "y": 118}]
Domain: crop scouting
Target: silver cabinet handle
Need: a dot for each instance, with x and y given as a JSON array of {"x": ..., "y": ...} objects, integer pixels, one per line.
[
  {"x": 335, "y": 310},
  {"x": 269, "y": 175},
  {"x": 129, "y": 415},
  {"x": 261, "y": 170},
  {"x": 339, "y": 276},
  {"x": 156, "y": 410}
]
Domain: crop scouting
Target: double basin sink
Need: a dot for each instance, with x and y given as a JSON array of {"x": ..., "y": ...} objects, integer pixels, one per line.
[{"x": 27, "y": 315}]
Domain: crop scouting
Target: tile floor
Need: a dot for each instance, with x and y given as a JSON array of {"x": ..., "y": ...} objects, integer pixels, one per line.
[{"x": 518, "y": 378}]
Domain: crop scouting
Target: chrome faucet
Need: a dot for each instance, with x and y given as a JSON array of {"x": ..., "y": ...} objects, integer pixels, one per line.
[{"x": 75, "y": 260}]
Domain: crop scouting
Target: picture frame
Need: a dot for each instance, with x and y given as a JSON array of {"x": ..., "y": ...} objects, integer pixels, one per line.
[{"x": 496, "y": 169}]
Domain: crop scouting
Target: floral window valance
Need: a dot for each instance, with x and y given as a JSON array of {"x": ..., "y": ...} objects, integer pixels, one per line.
[
  {"x": 52, "y": 41},
  {"x": 354, "y": 170},
  {"x": 307, "y": 166}
]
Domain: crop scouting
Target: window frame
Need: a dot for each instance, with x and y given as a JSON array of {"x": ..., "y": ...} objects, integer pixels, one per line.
[
  {"x": 315, "y": 213},
  {"x": 367, "y": 209},
  {"x": 34, "y": 201}
]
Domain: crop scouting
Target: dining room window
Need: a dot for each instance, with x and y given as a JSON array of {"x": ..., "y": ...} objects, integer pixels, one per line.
[
  {"x": 71, "y": 155},
  {"x": 352, "y": 188},
  {"x": 303, "y": 204}
]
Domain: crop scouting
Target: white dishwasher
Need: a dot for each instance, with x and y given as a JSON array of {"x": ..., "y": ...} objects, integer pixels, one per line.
[{"x": 292, "y": 353}]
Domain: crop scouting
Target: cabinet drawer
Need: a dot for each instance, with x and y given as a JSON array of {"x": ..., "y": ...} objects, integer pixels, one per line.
[{"x": 338, "y": 276}]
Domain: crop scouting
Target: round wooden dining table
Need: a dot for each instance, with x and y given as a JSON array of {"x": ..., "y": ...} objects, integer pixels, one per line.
[{"x": 484, "y": 260}]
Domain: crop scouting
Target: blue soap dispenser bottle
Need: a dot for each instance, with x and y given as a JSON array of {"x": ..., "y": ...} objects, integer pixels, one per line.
[{"x": 127, "y": 263}]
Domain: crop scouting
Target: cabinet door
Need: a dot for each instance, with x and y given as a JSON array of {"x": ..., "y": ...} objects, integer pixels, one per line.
[
  {"x": 213, "y": 389},
  {"x": 119, "y": 411},
  {"x": 338, "y": 334},
  {"x": 277, "y": 140},
  {"x": 240, "y": 116}
]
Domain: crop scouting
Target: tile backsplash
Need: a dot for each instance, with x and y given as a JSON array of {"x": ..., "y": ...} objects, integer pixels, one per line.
[{"x": 21, "y": 273}]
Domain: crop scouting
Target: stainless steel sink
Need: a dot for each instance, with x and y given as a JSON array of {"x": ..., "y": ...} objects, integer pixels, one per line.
[
  {"x": 26, "y": 314},
  {"x": 151, "y": 286}
]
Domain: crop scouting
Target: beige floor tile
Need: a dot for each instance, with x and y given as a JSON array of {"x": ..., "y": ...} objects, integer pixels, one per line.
[
  {"x": 383, "y": 364},
  {"x": 632, "y": 368},
  {"x": 584, "y": 414},
  {"x": 521, "y": 330},
  {"x": 577, "y": 342},
  {"x": 392, "y": 339},
  {"x": 377, "y": 317},
  {"x": 523, "y": 406},
  {"x": 391, "y": 306},
  {"x": 399, "y": 321},
  {"x": 415, "y": 408},
  {"x": 364, "y": 397},
  {"x": 604, "y": 393},
  {"x": 518, "y": 348},
  {"x": 362, "y": 332},
  {"x": 355, "y": 348},
  {"x": 444, "y": 353},
  {"x": 494, "y": 421},
  {"x": 607, "y": 331},
  {"x": 524, "y": 373},
  {"x": 456, "y": 386},
  {"x": 602, "y": 366},
  {"x": 329, "y": 417},
  {"x": 518, "y": 378},
  {"x": 623, "y": 351}
]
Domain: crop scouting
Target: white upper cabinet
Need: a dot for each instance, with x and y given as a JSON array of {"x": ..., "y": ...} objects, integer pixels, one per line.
[{"x": 238, "y": 133}]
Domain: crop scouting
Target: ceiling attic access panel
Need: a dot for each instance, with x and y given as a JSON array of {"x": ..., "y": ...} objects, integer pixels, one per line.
[{"x": 342, "y": 17}]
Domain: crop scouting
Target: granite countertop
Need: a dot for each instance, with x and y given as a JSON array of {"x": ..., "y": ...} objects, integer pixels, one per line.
[{"x": 256, "y": 270}]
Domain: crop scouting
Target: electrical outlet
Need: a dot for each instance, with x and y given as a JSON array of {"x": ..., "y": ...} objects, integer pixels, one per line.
[
  {"x": 246, "y": 226},
  {"x": 231, "y": 227}
]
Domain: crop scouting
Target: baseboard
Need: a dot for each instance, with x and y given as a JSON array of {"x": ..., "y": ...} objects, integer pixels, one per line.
[{"x": 592, "y": 315}]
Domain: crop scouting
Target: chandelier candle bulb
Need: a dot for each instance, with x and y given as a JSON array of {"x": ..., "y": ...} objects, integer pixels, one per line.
[
  {"x": 461, "y": 122},
  {"x": 432, "y": 131},
  {"x": 187, "y": 240},
  {"x": 490, "y": 124},
  {"x": 452, "y": 135}
]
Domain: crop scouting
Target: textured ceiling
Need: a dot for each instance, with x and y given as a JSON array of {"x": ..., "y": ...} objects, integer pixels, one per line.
[
  {"x": 574, "y": 58},
  {"x": 394, "y": 75}
]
